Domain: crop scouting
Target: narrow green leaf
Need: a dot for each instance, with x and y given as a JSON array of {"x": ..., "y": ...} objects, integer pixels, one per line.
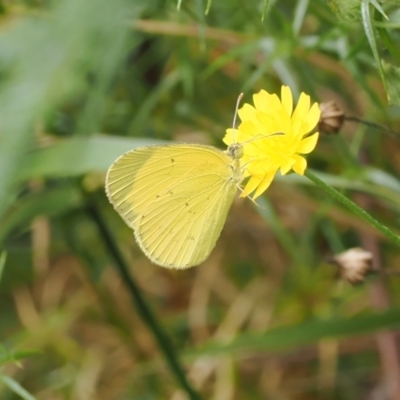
[
  {"x": 16, "y": 388},
  {"x": 48, "y": 202},
  {"x": 387, "y": 41},
  {"x": 385, "y": 189},
  {"x": 367, "y": 20},
  {"x": 299, "y": 14},
  {"x": 392, "y": 47},
  {"x": 264, "y": 11},
  {"x": 379, "y": 8},
  {"x": 393, "y": 78},
  {"x": 306, "y": 333},
  {"x": 77, "y": 156},
  {"x": 208, "y": 6},
  {"x": 354, "y": 208},
  {"x": 3, "y": 257},
  {"x": 7, "y": 356}
]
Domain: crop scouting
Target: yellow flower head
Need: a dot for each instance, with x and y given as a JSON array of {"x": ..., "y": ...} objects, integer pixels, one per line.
[{"x": 274, "y": 137}]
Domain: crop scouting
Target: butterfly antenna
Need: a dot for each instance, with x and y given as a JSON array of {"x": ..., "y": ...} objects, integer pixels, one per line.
[{"x": 239, "y": 99}]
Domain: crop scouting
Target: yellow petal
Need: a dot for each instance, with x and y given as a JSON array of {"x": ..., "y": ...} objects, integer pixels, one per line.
[
  {"x": 261, "y": 100},
  {"x": 229, "y": 136},
  {"x": 251, "y": 185},
  {"x": 287, "y": 165},
  {"x": 303, "y": 104},
  {"x": 279, "y": 121},
  {"x": 247, "y": 112},
  {"x": 267, "y": 102},
  {"x": 287, "y": 100},
  {"x": 308, "y": 144},
  {"x": 302, "y": 108},
  {"x": 300, "y": 164},
  {"x": 274, "y": 103},
  {"x": 312, "y": 117},
  {"x": 247, "y": 130},
  {"x": 264, "y": 185},
  {"x": 258, "y": 167}
]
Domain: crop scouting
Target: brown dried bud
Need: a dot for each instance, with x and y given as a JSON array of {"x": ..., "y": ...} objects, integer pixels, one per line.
[
  {"x": 354, "y": 264},
  {"x": 331, "y": 119}
]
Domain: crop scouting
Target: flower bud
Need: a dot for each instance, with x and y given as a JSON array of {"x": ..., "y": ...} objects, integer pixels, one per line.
[
  {"x": 354, "y": 264},
  {"x": 332, "y": 117}
]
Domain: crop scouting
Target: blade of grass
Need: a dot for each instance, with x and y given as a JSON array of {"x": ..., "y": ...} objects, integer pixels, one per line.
[
  {"x": 49, "y": 202},
  {"x": 3, "y": 258},
  {"x": 302, "y": 334},
  {"x": 299, "y": 14},
  {"x": 354, "y": 208},
  {"x": 209, "y": 2},
  {"x": 379, "y": 8},
  {"x": 92, "y": 154},
  {"x": 264, "y": 10},
  {"x": 367, "y": 20},
  {"x": 16, "y": 387},
  {"x": 392, "y": 47}
]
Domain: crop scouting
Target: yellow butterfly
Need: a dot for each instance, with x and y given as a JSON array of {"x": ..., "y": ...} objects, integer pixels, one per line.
[{"x": 175, "y": 198}]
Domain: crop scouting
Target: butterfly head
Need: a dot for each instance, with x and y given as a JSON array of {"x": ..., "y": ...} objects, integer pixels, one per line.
[{"x": 235, "y": 151}]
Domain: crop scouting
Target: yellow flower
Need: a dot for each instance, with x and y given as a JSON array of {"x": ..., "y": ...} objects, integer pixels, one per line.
[{"x": 274, "y": 137}]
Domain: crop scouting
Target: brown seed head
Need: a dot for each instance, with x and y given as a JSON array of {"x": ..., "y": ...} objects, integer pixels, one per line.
[
  {"x": 354, "y": 264},
  {"x": 331, "y": 119}
]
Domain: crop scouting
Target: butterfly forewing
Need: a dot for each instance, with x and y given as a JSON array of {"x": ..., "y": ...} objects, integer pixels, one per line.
[{"x": 176, "y": 198}]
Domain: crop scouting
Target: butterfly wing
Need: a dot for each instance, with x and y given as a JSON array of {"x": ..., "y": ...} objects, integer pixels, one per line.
[{"x": 176, "y": 198}]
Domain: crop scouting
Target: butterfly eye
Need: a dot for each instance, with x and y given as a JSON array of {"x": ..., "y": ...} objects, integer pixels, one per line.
[{"x": 235, "y": 151}]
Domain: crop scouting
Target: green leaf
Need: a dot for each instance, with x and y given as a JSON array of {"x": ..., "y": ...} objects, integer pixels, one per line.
[
  {"x": 379, "y": 8},
  {"x": 48, "y": 202},
  {"x": 393, "y": 78},
  {"x": 386, "y": 188},
  {"x": 367, "y": 20},
  {"x": 389, "y": 44},
  {"x": 299, "y": 14},
  {"x": 264, "y": 11},
  {"x": 3, "y": 258},
  {"x": 16, "y": 387},
  {"x": 306, "y": 333},
  {"x": 77, "y": 156},
  {"x": 354, "y": 208},
  {"x": 209, "y": 2},
  {"x": 7, "y": 356}
]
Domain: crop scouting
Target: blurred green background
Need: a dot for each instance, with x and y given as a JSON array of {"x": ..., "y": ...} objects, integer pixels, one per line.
[{"x": 266, "y": 316}]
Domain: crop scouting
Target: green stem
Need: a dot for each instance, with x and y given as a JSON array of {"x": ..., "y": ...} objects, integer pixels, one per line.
[
  {"x": 354, "y": 208},
  {"x": 142, "y": 308},
  {"x": 3, "y": 257}
]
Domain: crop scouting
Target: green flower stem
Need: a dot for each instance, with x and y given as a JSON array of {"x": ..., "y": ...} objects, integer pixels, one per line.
[
  {"x": 144, "y": 311},
  {"x": 354, "y": 208}
]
